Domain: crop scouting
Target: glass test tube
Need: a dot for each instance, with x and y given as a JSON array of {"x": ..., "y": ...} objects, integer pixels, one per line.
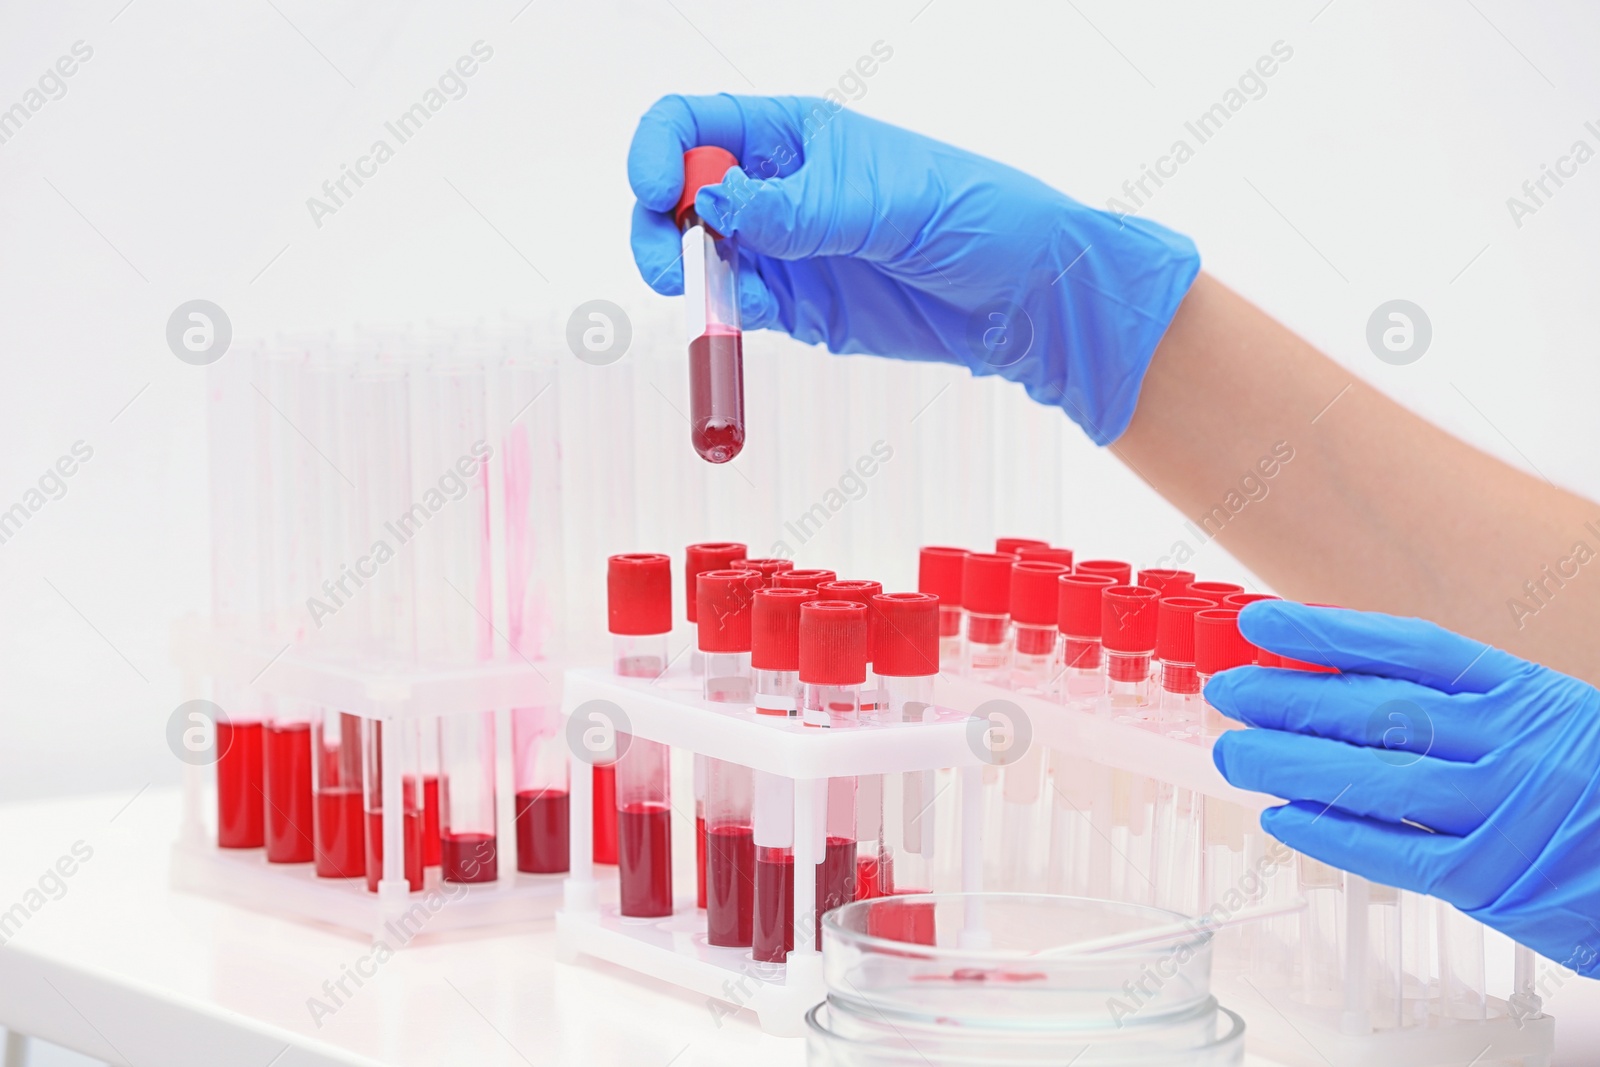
[
  {"x": 459, "y": 591},
  {"x": 986, "y": 598},
  {"x": 775, "y": 650},
  {"x": 1078, "y": 617},
  {"x": 711, "y": 303},
  {"x": 336, "y": 780},
  {"x": 644, "y": 828},
  {"x": 723, "y": 632},
  {"x": 531, "y": 488},
  {"x": 235, "y": 430},
  {"x": 833, "y": 662},
  {"x": 1128, "y": 617},
  {"x": 639, "y": 609},
  {"x": 730, "y": 867},
  {"x": 939, "y": 572}
]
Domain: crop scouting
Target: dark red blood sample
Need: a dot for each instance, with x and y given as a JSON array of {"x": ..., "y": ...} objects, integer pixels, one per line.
[
  {"x": 730, "y": 885},
  {"x": 411, "y": 831},
  {"x": 469, "y": 857},
  {"x": 239, "y": 785},
  {"x": 772, "y": 927},
  {"x": 1081, "y": 655},
  {"x": 716, "y": 394},
  {"x": 288, "y": 815},
  {"x": 870, "y": 878},
  {"x": 605, "y": 813},
  {"x": 836, "y": 878},
  {"x": 1035, "y": 640},
  {"x": 542, "y": 841},
  {"x": 910, "y": 921},
  {"x": 700, "y": 863},
  {"x": 1180, "y": 678},
  {"x": 949, "y": 623},
  {"x": 986, "y": 629},
  {"x": 430, "y": 820},
  {"x": 341, "y": 841},
  {"x": 644, "y": 859}
]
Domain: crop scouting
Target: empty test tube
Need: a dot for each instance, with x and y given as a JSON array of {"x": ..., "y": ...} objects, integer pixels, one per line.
[
  {"x": 1180, "y": 680},
  {"x": 1034, "y": 602},
  {"x": 1079, "y": 618},
  {"x": 723, "y": 632},
  {"x": 775, "y": 650},
  {"x": 986, "y": 598},
  {"x": 711, "y": 303},
  {"x": 708, "y": 556},
  {"x": 1218, "y": 646},
  {"x": 833, "y": 662},
  {"x": 939, "y": 572},
  {"x": 861, "y": 591}
]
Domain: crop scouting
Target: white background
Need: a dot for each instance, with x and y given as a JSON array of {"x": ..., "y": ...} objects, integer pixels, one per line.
[{"x": 1377, "y": 165}]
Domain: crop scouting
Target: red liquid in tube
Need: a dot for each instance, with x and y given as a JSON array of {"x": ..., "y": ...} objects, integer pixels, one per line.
[{"x": 716, "y": 393}]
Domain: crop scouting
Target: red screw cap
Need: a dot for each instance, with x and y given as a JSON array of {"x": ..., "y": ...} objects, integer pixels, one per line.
[
  {"x": 702, "y": 166},
  {"x": 833, "y": 642},
  {"x": 803, "y": 579},
  {"x": 1128, "y": 618},
  {"x": 1034, "y": 596},
  {"x": 986, "y": 583},
  {"x": 775, "y": 628},
  {"x": 1214, "y": 591},
  {"x": 1034, "y": 553},
  {"x": 1175, "y": 627},
  {"x": 1218, "y": 644},
  {"x": 1239, "y": 600},
  {"x": 769, "y": 568},
  {"x": 639, "y": 594},
  {"x": 708, "y": 556},
  {"x": 1122, "y": 572},
  {"x": 1165, "y": 580},
  {"x": 726, "y": 598},
  {"x": 908, "y": 635},
  {"x": 1010, "y": 545},
  {"x": 939, "y": 571},
  {"x": 1078, "y": 603},
  {"x": 861, "y": 591}
]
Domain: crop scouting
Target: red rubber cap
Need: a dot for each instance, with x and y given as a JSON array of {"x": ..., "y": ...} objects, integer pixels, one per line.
[
  {"x": 709, "y": 556},
  {"x": 1239, "y": 600},
  {"x": 1218, "y": 644},
  {"x": 1214, "y": 591},
  {"x": 908, "y": 635},
  {"x": 702, "y": 166},
  {"x": 939, "y": 571},
  {"x": 833, "y": 642},
  {"x": 1122, "y": 572},
  {"x": 769, "y": 568},
  {"x": 775, "y": 628},
  {"x": 1165, "y": 580},
  {"x": 803, "y": 579},
  {"x": 986, "y": 583},
  {"x": 861, "y": 591},
  {"x": 1034, "y": 596},
  {"x": 1062, "y": 556},
  {"x": 726, "y": 598},
  {"x": 639, "y": 594},
  {"x": 1010, "y": 545},
  {"x": 1078, "y": 603},
  {"x": 1128, "y": 617},
  {"x": 1175, "y": 627}
]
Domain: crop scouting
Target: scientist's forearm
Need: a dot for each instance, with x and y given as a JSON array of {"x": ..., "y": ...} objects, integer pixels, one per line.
[{"x": 1373, "y": 507}]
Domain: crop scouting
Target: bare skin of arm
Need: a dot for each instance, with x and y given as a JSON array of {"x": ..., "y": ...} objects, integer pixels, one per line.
[{"x": 1378, "y": 509}]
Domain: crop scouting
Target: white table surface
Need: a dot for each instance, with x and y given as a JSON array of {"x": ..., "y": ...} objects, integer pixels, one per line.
[{"x": 124, "y": 969}]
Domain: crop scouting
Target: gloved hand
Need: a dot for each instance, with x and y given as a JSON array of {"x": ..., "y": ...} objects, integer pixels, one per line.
[
  {"x": 868, "y": 238},
  {"x": 1499, "y": 758}
]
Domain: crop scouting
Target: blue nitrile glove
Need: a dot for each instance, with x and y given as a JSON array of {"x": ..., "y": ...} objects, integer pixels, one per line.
[
  {"x": 869, "y": 238},
  {"x": 1498, "y": 757}
]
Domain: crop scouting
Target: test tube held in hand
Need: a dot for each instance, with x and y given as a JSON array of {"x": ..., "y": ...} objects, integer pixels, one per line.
[{"x": 711, "y": 304}]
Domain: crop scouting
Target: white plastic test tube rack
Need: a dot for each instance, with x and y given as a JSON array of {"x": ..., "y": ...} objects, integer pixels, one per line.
[
  {"x": 1364, "y": 975},
  {"x": 392, "y": 694},
  {"x": 674, "y": 949}
]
